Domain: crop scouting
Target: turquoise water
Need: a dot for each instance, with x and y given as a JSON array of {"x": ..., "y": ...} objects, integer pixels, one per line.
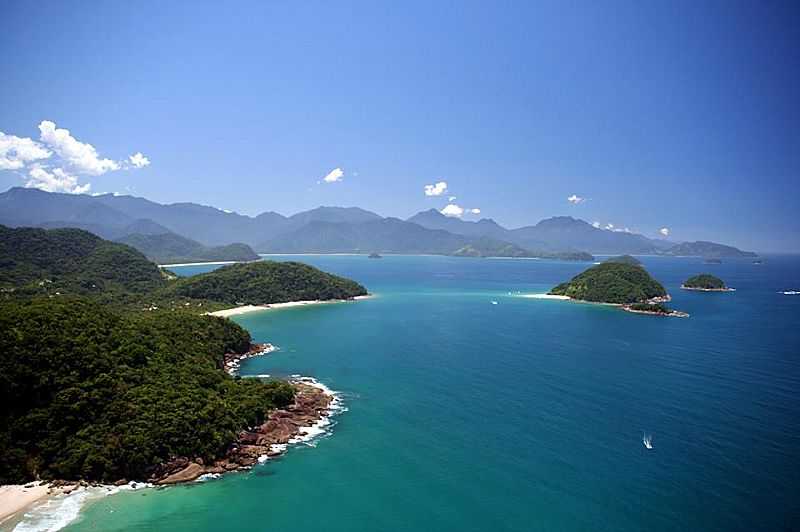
[{"x": 524, "y": 415}]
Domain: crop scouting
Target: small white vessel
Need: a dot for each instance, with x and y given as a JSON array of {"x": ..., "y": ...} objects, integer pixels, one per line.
[
  {"x": 647, "y": 441},
  {"x": 790, "y": 292},
  {"x": 494, "y": 302}
]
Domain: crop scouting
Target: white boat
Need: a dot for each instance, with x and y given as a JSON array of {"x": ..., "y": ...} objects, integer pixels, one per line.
[{"x": 647, "y": 440}]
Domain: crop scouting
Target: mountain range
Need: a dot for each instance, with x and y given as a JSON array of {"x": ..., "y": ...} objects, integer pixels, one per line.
[{"x": 139, "y": 221}]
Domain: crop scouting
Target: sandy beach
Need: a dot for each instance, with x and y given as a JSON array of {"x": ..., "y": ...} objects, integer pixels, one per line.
[
  {"x": 15, "y": 498},
  {"x": 546, "y": 296},
  {"x": 244, "y": 309}
]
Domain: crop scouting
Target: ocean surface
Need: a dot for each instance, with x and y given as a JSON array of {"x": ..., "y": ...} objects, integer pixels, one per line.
[{"x": 524, "y": 414}]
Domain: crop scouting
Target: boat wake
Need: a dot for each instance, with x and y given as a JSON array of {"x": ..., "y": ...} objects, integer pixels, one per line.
[{"x": 647, "y": 441}]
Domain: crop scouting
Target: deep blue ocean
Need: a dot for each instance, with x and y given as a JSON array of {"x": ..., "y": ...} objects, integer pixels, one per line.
[{"x": 464, "y": 415}]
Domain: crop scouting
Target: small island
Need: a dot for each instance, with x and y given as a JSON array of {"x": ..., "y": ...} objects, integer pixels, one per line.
[
  {"x": 628, "y": 286},
  {"x": 374, "y": 256},
  {"x": 706, "y": 282},
  {"x": 657, "y": 309}
]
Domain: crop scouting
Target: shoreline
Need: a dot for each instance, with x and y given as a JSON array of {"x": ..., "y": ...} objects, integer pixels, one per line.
[
  {"x": 302, "y": 421},
  {"x": 245, "y": 309},
  {"x": 17, "y": 498},
  {"x": 54, "y": 505},
  {"x": 698, "y": 289},
  {"x": 625, "y": 307},
  {"x": 231, "y": 362}
]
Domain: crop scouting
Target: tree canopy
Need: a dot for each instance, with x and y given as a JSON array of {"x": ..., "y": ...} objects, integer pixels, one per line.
[
  {"x": 705, "y": 281},
  {"x": 612, "y": 282},
  {"x": 90, "y": 393},
  {"x": 265, "y": 282}
]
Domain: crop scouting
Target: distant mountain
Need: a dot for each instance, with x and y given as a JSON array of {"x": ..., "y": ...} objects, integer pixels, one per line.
[
  {"x": 328, "y": 229},
  {"x": 560, "y": 233},
  {"x": 433, "y": 219},
  {"x": 566, "y": 232},
  {"x": 708, "y": 250},
  {"x": 384, "y": 235},
  {"x": 333, "y": 214},
  {"x": 169, "y": 248}
]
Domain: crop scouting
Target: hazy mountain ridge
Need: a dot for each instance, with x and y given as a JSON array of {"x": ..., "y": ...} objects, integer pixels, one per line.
[{"x": 330, "y": 229}]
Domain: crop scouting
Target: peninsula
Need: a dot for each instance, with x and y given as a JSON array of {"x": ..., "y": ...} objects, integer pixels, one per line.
[{"x": 111, "y": 370}]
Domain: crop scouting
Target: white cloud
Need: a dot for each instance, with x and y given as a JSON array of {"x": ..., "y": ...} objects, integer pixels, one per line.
[
  {"x": 437, "y": 189},
  {"x": 334, "y": 176},
  {"x": 596, "y": 225},
  {"x": 56, "y": 181},
  {"x": 68, "y": 158},
  {"x": 80, "y": 156},
  {"x": 16, "y": 152},
  {"x": 138, "y": 160},
  {"x": 609, "y": 227},
  {"x": 452, "y": 210},
  {"x": 664, "y": 231},
  {"x": 575, "y": 199},
  {"x": 475, "y": 211},
  {"x": 451, "y": 199}
]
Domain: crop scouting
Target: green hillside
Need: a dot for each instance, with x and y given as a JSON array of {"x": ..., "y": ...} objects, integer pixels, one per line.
[
  {"x": 95, "y": 394},
  {"x": 71, "y": 261},
  {"x": 612, "y": 282},
  {"x": 169, "y": 248},
  {"x": 265, "y": 282}
]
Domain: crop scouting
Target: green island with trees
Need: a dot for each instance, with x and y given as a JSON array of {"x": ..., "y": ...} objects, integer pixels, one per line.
[
  {"x": 705, "y": 282},
  {"x": 109, "y": 366},
  {"x": 619, "y": 283},
  {"x": 612, "y": 282}
]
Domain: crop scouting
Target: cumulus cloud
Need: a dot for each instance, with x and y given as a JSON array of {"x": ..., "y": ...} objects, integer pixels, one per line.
[
  {"x": 664, "y": 231},
  {"x": 334, "y": 176},
  {"x": 596, "y": 225},
  {"x": 452, "y": 210},
  {"x": 475, "y": 211},
  {"x": 16, "y": 152},
  {"x": 138, "y": 160},
  {"x": 609, "y": 227},
  {"x": 79, "y": 156},
  {"x": 57, "y": 160},
  {"x": 451, "y": 199},
  {"x": 437, "y": 189},
  {"x": 56, "y": 181},
  {"x": 575, "y": 199}
]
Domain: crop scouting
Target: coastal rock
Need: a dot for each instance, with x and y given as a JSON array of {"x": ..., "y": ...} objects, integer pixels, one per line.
[{"x": 190, "y": 472}]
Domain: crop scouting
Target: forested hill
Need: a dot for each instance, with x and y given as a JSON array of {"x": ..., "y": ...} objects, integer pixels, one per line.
[
  {"x": 265, "y": 282},
  {"x": 90, "y": 393},
  {"x": 72, "y": 260},
  {"x": 612, "y": 282},
  {"x": 59, "y": 262},
  {"x": 169, "y": 248}
]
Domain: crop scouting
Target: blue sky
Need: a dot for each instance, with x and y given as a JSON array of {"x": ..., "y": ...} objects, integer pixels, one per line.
[{"x": 671, "y": 114}]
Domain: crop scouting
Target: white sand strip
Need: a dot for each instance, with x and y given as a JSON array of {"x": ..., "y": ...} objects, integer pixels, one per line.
[
  {"x": 15, "y": 497},
  {"x": 275, "y": 306}
]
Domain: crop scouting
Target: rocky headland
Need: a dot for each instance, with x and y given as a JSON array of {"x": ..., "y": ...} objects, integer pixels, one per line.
[{"x": 313, "y": 404}]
